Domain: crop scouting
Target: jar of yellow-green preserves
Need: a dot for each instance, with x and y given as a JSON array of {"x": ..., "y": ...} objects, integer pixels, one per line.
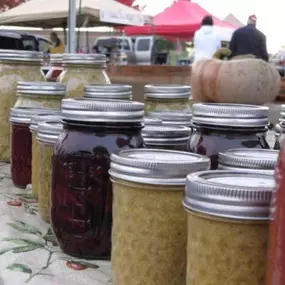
[
  {"x": 167, "y": 98},
  {"x": 48, "y": 133},
  {"x": 14, "y": 66},
  {"x": 228, "y": 227},
  {"x": 35, "y": 121},
  {"x": 108, "y": 91},
  {"x": 149, "y": 225},
  {"x": 80, "y": 70}
]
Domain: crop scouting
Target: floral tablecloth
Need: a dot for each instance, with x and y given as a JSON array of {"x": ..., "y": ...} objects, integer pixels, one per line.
[{"x": 28, "y": 251}]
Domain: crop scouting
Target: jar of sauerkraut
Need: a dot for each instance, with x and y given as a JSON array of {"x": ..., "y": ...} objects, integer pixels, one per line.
[
  {"x": 80, "y": 70},
  {"x": 228, "y": 227},
  {"x": 35, "y": 120},
  {"x": 40, "y": 94},
  {"x": 48, "y": 133},
  {"x": 14, "y": 66}
]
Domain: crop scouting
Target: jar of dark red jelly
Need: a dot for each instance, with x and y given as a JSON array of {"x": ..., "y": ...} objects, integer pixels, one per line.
[
  {"x": 81, "y": 192},
  {"x": 219, "y": 127},
  {"x": 21, "y": 144}
]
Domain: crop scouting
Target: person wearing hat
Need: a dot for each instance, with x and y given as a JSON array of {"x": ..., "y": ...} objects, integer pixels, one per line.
[{"x": 249, "y": 40}]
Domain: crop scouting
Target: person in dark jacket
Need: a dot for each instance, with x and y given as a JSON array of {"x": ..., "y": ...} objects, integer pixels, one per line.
[{"x": 249, "y": 40}]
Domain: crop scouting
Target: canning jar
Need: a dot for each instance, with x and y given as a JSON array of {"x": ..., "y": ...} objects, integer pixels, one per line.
[
  {"x": 80, "y": 70},
  {"x": 152, "y": 121},
  {"x": 21, "y": 144},
  {"x": 55, "y": 67},
  {"x": 167, "y": 98},
  {"x": 149, "y": 225},
  {"x": 81, "y": 193},
  {"x": 280, "y": 129},
  {"x": 256, "y": 160},
  {"x": 108, "y": 91},
  {"x": 228, "y": 227},
  {"x": 166, "y": 137},
  {"x": 47, "y": 136},
  {"x": 35, "y": 120},
  {"x": 40, "y": 94},
  {"x": 14, "y": 66},
  {"x": 173, "y": 118},
  {"x": 219, "y": 127}
]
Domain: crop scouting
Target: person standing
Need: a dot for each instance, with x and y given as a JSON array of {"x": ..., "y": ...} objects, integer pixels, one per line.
[
  {"x": 57, "y": 45},
  {"x": 249, "y": 40},
  {"x": 206, "y": 41}
]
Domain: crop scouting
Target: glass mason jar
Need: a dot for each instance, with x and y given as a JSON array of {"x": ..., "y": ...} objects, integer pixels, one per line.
[
  {"x": 280, "y": 129},
  {"x": 228, "y": 227},
  {"x": 47, "y": 136},
  {"x": 108, "y": 91},
  {"x": 81, "y": 193},
  {"x": 219, "y": 127},
  {"x": 80, "y": 70},
  {"x": 149, "y": 225},
  {"x": 14, "y": 66},
  {"x": 152, "y": 121},
  {"x": 55, "y": 67},
  {"x": 167, "y": 98},
  {"x": 172, "y": 118},
  {"x": 35, "y": 121},
  {"x": 21, "y": 144},
  {"x": 250, "y": 160},
  {"x": 40, "y": 94},
  {"x": 166, "y": 137}
]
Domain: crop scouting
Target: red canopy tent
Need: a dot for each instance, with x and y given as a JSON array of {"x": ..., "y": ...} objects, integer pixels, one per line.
[{"x": 181, "y": 19}]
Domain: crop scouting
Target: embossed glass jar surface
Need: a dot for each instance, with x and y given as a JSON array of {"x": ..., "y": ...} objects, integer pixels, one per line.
[
  {"x": 81, "y": 193},
  {"x": 14, "y": 66},
  {"x": 80, "y": 70}
]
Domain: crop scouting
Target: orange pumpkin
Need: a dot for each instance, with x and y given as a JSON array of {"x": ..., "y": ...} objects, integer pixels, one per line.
[{"x": 246, "y": 81}]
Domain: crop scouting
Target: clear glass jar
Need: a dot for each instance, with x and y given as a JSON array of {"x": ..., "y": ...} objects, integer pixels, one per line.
[
  {"x": 55, "y": 67},
  {"x": 35, "y": 120},
  {"x": 219, "y": 127},
  {"x": 21, "y": 144},
  {"x": 173, "y": 118},
  {"x": 280, "y": 129},
  {"x": 250, "y": 160},
  {"x": 228, "y": 227},
  {"x": 166, "y": 137},
  {"x": 167, "y": 98},
  {"x": 149, "y": 226},
  {"x": 81, "y": 193},
  {"x": 14, "y": 66},
  {"x": 47, "y": 136},
  {"x": 80, "y": 70},
  {"x": 108, "y": 91},
  {"x": 152, "y": 121},
  {"x": 40, "y": 94}
]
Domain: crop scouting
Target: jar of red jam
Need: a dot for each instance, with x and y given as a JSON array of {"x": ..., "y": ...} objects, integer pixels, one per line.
[
  {"x": 81, "y": 192},
  {"x": 219, "y": 127},
  {"x": 21, "y": 144}
]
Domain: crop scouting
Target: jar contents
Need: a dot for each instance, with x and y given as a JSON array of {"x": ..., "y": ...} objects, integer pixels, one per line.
[
  {"x": 241, "y": 159},
  {"x": 149, "y": 225},
  {"x": 81, "y": 192},
  {"x": 35, "y": 120},
  {"x": 15, "y": 65},
  {"x": 228, "y": 229},
  {"x": 108, "y": 91},
  {"x": 219, "y": 127},
  {"x": 55, "y": 67},
  {"x": 167, "y": 98},
  {"x": 40, "y": 94},
  {"x": 80, "y": 70},
  {"x": 21, "y": 144},
  {"x": 47, "y": 136},
  {"x": 166, "y": 137}
]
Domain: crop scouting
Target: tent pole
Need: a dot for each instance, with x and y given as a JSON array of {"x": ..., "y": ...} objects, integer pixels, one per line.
[{"x": 71, "y": 26}]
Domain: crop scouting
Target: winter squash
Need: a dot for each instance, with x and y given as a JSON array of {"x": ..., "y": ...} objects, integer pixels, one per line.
[{"x": 246, "y": 81}]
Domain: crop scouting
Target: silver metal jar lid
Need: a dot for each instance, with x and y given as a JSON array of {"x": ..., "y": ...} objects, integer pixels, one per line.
[
  {"x": 165, "y": 135},
  {"x": 48, "y": 132},
  {"x": 233, "y": 115},
  {"x": 167, "y": 91},
  {"x": 230, "y": 194},
  {"x": 56, "y": 58},
  {"x": 154, "y": 166},
  {"x": 152, "y": 121},
  {"x": 41, "y": 88},
  {"x": 21, "y": 55},
  {"x": 108, "y": 91},
  {"x": 84, "y": 59},
  {"x": 85, "y": 110},
  {"x": 173, "y": 118},
  {"x": 41, "y": 118},
  {"x": 24, "y": 114}
]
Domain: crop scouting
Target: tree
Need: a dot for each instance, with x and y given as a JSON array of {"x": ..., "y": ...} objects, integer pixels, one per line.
[{"x": 8, "y": 4}]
